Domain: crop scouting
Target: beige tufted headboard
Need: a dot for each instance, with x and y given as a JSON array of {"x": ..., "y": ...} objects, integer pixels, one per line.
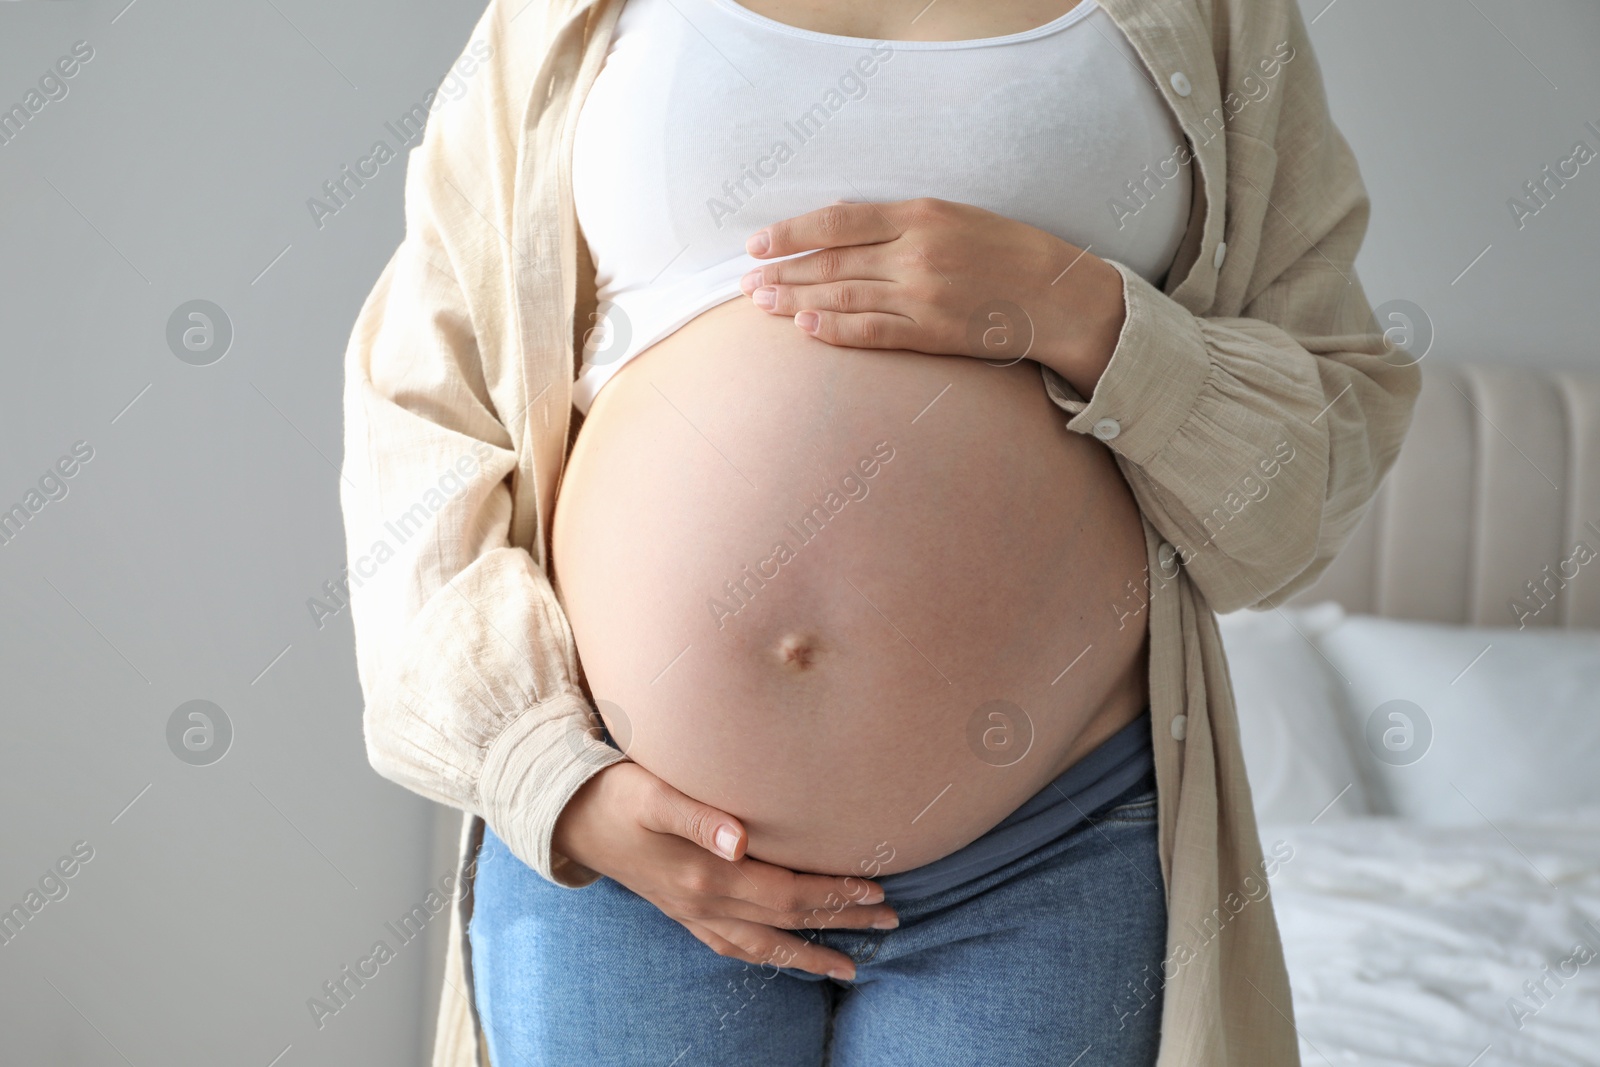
[{"x": 1498, "y": 482}]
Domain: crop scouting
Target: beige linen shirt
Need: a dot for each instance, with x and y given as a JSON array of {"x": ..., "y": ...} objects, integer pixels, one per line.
[{"x": 1256, "y": 403}]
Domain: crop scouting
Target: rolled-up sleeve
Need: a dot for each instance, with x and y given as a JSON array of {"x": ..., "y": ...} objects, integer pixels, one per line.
[
  {"x": 466, "y": 661},
  {"x": 1254, "y": 442}
]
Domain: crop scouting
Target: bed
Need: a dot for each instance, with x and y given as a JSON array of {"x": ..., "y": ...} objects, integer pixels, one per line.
[{"x": 1421, "y": 734}]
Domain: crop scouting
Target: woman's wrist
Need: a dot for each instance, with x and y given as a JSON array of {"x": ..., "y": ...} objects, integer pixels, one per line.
[
  {"x": 567, "y": 837},
  {"x": 1094, "y": 311}
]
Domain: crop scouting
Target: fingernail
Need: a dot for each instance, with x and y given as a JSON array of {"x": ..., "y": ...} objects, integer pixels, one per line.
[
  {"x": 765, "y": 297},
  {"x": 807, "y": 320},
  {"x": 758, "y": 243},
  {"x": 727, "y": 841},
  {"x": 841, "y": 974},
  {"x": 750, "y": 281},
  {"x": 888, "y": 922},
  {"x": 873, "y": 895}
]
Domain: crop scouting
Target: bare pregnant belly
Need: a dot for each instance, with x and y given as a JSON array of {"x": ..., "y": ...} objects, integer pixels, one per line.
[{"x": 865, "y": 601}]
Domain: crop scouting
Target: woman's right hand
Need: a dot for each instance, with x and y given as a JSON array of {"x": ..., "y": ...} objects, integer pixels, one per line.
[{"x": 687, "y": 859}]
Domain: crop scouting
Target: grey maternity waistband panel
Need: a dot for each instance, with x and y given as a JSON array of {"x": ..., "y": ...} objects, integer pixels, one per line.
[{"x": 1122, "y": 761}]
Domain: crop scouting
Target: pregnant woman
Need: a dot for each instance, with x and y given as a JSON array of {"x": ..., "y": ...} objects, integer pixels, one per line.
[{"x": 792, "y": 463}]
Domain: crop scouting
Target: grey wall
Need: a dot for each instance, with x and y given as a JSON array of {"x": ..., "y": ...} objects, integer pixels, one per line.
[
  {"x": 179, "y": 563},
  {"x": 1451, "y": 105}
]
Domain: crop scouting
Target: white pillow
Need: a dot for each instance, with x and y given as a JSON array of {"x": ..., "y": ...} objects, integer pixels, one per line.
[
  {"x": 1511, "y": 713},
  {"x": 1292, "y": 721}
]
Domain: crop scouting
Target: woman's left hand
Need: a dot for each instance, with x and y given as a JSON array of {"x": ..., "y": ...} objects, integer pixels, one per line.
[{"x": 934, "y": 276}]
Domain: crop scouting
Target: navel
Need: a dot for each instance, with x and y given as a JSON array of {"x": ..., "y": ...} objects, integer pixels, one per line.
[{"x": 797, "y": 651}]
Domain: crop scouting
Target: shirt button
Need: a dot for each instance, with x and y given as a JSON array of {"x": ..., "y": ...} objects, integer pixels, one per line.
[
  {"x": 1106, "y": 429},
  {"x": 1180, "y": 83},
  {"x": 1180, "y": 727},
  {"x": 1221, "y": 254}
]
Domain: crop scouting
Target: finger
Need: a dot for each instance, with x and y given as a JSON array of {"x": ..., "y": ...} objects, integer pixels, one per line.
[
  {"x": 672, "y": 812},
  {"x": 776, "y": 954},
  {"x": 834, "y": 226},
  {"x": 715, "y": 942},
  {"x": 823, "y": 265},
  {"x": 838, "y": 917},
  {"x": 872, "y": 329},
  {"x": 763, "y": 945},
  {"x": 852, "y": 297},
  {"x": 706, "y": 888},
  {"x": 710, "y": 889},
  {"x": 837, "y": 914},
  {"x": 777, "y": 896}
]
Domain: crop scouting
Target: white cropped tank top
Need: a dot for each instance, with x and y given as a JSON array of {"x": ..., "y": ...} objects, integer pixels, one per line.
[{"x": 709, "y": 121}]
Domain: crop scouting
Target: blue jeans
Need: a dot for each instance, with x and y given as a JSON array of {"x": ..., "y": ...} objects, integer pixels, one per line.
[{"x": 1040, "y": 962}]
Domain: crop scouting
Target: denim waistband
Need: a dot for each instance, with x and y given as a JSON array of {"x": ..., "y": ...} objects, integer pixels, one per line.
[{"x": 1119, "y": 763}]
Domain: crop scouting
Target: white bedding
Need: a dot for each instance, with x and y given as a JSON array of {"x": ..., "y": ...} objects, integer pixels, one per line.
[{"x": 1407, "y": 943}]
